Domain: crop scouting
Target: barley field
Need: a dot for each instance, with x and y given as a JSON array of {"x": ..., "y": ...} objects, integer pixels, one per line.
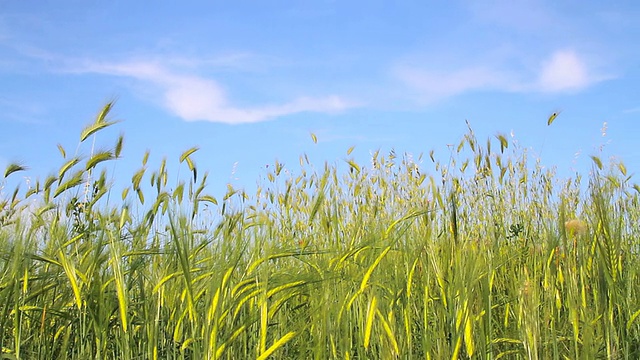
[{"x": 485, "y": 254}]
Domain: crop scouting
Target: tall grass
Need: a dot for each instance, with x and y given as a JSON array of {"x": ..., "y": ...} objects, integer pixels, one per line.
[{"x": 475, "y": 257}]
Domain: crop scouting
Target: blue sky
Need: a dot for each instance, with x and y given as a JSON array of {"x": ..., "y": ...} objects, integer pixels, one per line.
[{"x": 248, "y": 82}]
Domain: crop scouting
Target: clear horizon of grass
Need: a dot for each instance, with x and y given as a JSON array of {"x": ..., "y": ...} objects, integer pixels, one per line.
[{"x": 467, "y": 258}]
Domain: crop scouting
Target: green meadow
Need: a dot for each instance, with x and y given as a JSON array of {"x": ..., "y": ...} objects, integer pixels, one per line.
[{"x": 482, "y": 254}]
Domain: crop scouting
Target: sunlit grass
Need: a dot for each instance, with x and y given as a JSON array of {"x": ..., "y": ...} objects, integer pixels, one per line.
[{"x": 486, "y": 255}]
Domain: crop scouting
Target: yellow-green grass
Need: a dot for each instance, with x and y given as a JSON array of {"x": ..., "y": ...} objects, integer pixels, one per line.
[{"x": 486, "y": 256}]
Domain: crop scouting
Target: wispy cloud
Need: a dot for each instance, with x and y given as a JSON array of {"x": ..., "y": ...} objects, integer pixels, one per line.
[
  {"x": 433, "y": 86},
  {"x": 194, "y": 98},
  {"x": 522, "y": 15},
  {"x": 563, "y": 71}
]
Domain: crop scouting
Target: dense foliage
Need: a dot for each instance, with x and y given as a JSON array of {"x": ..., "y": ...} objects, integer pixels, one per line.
[{"x": 486, "y": 256}]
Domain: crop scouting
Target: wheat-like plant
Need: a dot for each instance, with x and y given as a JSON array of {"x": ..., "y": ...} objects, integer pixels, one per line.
[{"x": 481, "y": 256}]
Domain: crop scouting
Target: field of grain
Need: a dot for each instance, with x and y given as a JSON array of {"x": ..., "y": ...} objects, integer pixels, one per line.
[{"x": 485, "y": 255}]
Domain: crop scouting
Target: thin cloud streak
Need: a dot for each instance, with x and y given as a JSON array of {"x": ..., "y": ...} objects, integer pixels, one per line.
[
  {"x": 434, "y": 86},
  {"x": 521, "y": 15},
  {"x": 194, "y": 98},
  {"x": 564, "y": 71}
]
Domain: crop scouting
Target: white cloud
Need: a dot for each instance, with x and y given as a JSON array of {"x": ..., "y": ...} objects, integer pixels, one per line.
[
  {"x": 562, "y": 71},
  {"x": 196, "y": 98}
]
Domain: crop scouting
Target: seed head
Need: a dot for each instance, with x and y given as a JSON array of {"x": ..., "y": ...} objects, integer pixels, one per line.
[{"x": 575, "y": 227}]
